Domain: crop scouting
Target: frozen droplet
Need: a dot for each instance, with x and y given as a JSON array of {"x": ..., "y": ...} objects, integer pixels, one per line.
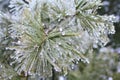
[
  {"x": 81, "y": 59},
  {"x": 29, "y": 73},
  {"x": 78, "y": 59},
  {"x": 56, "y": 46},
  {"x": 43, "y": 24},
  {"x": 60, "y": 53},
  {"x": 63, "y": 33},
  {"x": 59, "y": 43},
  {"x": 112, "y": 32},
  {"x": 17, "y": 52},
  {"x": 65, "y": 73},
  {"x": 70, "y": 40},
  {"x": 19, "y": 42},
  {"x": 7, "y": 48},
  {"x": 77, "y": 47},
  {"x": 59, "y": 16},
  {"x": 93, "y": 17},
  {"x": 87, "y": 61},
  {"x": 95, "y": 46},
  {"x": 10, "y": 77},
  {"x": 60, "y": 29},
  {"x": 26, "y": 73},
  {"x": 110, "y": 78},
  {"x": 96, "y": 41},
  {"x": 53, "y": 60},
  {"x": 76, "y": 62},
  {"x": 57, "y": 69},
  {"x": 11, "y": 64},
  {"x": 1, "y": 66},
  {"x": 59, "y": 20},
  {"x": 61, "y": 78},
  {"x": 11, "y": 56},
  {"x": 16, "y": 57},
  {"x": 72, "y": 67},
  {"x": 112, "y": 18}
]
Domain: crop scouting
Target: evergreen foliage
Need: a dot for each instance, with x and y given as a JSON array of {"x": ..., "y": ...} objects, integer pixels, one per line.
[{"x": 38, "y": 35}]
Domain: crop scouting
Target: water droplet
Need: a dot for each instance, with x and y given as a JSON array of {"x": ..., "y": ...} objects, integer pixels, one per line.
[
  {"x": 26, "y": 73},
  {"x": 87, "y": 61}
]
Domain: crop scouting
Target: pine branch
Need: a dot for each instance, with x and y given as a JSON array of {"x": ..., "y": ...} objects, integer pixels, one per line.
[{"x": 53, "y": 33}]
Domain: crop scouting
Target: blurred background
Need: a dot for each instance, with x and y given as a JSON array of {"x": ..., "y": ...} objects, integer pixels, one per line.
[{"x": 105, "y": 61}]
